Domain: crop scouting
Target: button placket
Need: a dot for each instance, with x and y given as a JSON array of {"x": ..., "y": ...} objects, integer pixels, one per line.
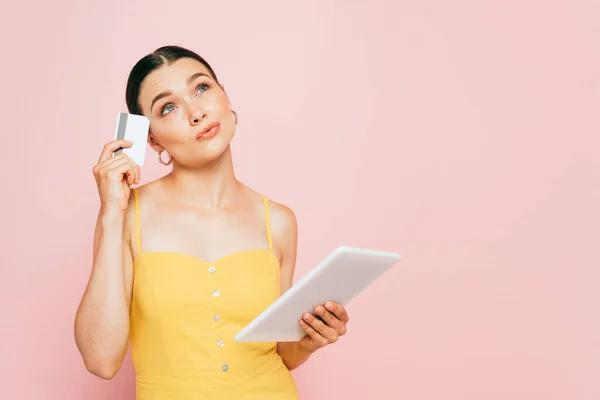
[
  {"x": 211, "y": 270},
  {"x": 217, "y": 317}
]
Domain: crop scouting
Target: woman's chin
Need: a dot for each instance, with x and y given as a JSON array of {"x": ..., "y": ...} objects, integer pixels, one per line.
[{"x": 210, "y": 153}]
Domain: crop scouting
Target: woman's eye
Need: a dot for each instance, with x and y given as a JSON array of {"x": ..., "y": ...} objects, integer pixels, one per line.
[
  {"x": 165, "y": 108},
  {"x": 202, "y": 87},
  {"x": 169, "y": 107}
]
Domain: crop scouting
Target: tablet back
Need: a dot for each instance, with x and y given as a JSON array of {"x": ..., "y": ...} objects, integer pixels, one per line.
[{"x": 340, "y": 277}]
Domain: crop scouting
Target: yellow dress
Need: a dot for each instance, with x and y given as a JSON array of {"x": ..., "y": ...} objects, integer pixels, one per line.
[{"x": 184, "y": 315}]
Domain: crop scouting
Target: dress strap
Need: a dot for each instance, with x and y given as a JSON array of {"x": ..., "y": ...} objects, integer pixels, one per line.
[
  {"x": 268, "y": 222},
  {"x": 138, "y": 239}
]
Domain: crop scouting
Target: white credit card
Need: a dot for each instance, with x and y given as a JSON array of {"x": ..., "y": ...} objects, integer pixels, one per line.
[{"x": 134, "y": 128}]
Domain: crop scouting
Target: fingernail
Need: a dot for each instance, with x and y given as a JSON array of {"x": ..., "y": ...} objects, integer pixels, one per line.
[
  {"x": 308, "y": 317},
  {"x": 329, "y": 306}
]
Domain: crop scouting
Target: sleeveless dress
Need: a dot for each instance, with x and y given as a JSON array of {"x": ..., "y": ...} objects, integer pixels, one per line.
[{"x": 184, "y": 315}]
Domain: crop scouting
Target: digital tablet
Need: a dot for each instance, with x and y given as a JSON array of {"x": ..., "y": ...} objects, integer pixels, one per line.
[{"x": 340, "y": 277}]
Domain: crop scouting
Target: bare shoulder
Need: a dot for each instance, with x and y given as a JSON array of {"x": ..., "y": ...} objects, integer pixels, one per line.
[
  {"x": 130, "y": 214},
  {"x": 284, "y": 229},
  {"x": 129, "y": 225},
  {"x": 283, "y": 218},
  {"x": 146, "y": 192},
  {"x": 150, "y": 189}
]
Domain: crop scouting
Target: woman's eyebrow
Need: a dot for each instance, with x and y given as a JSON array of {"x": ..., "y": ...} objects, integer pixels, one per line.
[{"x": 187, "y": 81}]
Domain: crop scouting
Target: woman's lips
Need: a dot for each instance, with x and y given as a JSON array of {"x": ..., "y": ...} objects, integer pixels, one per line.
[{"x": 210, "y": 131}]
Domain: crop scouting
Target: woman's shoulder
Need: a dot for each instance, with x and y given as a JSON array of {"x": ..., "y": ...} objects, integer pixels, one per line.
[
  {"x": 282, "y": 216},
  {"x": 284, "y": 225},
  {"x": 284, "y": 228},
  {"x": 149, "y": 188},
  {"x": 143, "y": 193}
]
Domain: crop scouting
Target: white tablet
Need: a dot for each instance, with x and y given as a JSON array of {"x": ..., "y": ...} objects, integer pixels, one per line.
[{"x": 340, "y": 277}]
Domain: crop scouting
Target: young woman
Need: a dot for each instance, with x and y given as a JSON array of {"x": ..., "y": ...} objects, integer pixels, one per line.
[{"x": 181, "y": 264}]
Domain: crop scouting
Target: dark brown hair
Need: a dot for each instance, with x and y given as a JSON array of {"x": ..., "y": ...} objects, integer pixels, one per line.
[{"x": 162, "y": 56}]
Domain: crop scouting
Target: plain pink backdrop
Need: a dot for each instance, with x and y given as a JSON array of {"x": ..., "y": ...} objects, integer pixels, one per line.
[{"x": 463, "y": 134}]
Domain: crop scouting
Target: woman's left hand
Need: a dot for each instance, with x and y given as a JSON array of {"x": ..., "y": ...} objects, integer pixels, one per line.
[{"x": 321, "y": 333}]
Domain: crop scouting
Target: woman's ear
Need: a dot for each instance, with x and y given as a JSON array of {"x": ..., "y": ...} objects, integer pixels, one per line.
[
  {"x": 223, "y": 89},
  {"x": 152, "y": 142}
]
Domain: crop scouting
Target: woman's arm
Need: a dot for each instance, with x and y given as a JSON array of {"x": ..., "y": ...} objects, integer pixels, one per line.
[
  {"x": 285, "y": 235},
  {"x": 333, "y": 317},
  {"x": 102, "y": 319}
]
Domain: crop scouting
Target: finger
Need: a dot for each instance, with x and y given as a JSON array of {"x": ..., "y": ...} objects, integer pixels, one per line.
[
  {"x": 104, "y": 166},
  {"x": 121, "y": 167},
  {"x": 329, "y": 318},
  {"x": 118, "y": 160},
  {"x": 136, "y": 171},
  {"x": 327, "y": 332},
  {"x": 314, "y": 335},
  {"x": 110, "y": 147},
  {"x": 112, "y": 160},
  {"x": 338, "y": 310},
  {"x": 130, "y": 172}
]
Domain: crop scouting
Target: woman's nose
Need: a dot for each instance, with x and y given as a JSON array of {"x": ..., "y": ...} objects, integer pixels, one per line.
[{"x": 197, "y": 116}]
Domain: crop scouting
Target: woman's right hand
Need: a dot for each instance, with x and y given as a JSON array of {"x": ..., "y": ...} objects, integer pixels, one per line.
[{"x": 114, "y": 177}]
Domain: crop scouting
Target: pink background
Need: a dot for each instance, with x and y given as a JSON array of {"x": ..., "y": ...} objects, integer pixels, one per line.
[{"x": 463, "y": 134}]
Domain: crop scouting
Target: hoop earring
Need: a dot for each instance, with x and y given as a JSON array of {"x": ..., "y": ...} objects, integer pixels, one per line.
[
  {"x": 161, "y": 161},
  {"x": 235, "y": 116}
]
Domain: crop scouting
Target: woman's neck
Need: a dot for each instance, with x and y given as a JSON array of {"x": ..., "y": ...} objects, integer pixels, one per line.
[{"x": 209, "y": 188}]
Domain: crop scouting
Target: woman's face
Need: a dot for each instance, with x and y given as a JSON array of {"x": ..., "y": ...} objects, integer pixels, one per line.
[{"x": 182, "y": 101}]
